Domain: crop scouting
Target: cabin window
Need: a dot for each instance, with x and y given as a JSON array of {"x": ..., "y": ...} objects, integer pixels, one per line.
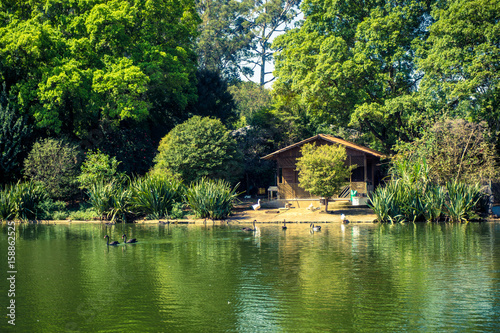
[{"x": 280, "y": 175}]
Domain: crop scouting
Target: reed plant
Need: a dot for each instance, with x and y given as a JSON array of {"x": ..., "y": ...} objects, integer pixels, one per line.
[
  {"x": 462, "y": 200},
  {"x": 21, "y": 201},
  {"x": 101, "y": 197},
  {"x": 155, "y": 195},
  {"x": 410, "y": 197},
  {"x": 212, "y": 199},
  {"x": 7, "y": 205}
]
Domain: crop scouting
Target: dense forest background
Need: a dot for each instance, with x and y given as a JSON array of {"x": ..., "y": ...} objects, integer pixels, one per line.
[{"x": 118, "y": 76}]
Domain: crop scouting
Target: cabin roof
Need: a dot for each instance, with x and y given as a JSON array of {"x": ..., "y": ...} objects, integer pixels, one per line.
[{"x": 328, "y": 138}]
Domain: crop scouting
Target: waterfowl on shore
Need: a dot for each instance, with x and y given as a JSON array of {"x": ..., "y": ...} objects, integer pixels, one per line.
[
  {"x": 112, "y": 243},
  {"x": 124, "y": 237},
  {"x": 250, "y": 229},
  {"x": 257, "y": 205},
  {"x": 284, "y": 225}
]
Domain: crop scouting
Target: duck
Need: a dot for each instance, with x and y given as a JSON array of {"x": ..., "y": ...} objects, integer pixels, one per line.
[
  {"x": 250, "y": 229},
  {"x": 257, "y": 205},
  {"x": 124, "y": 237},
  {"x": 112, "y": 243},
  {"x": 315, "y": 227},
  {"x": 344, "y": 219},
  {"x": 284, "y": 225}
]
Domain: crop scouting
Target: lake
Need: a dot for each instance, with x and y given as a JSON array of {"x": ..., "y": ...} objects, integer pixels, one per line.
[{"x": 424, "y": 277}]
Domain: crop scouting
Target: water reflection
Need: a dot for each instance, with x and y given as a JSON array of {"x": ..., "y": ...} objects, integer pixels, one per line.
[{"x": 215, "y": 277}]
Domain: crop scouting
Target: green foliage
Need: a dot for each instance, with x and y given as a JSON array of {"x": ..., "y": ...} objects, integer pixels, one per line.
[
  {"x": 213, "y": 199},
  {"x": 132, "y": 146},
  {"x": 155, "y": 195},
  {"x": 7, "y": 203},
  {"x": 455, "y": 150},
  {"x": 55, "y": 164},
  {"x": 410, "y": 196},
  {"x": 352, "y": 64},
  {"x": 101, "y": 196},
  {"x": 74, "y": 64},
  {"x": 249, "y": 98},
  {"x": 322, "y": 170},
  {"x": 98, "y": 168},
  {"x": 214, "y": 100},
  {"x": 13, "y": 133},
  {"x": 83, "y": 214},
  {"x": 462, "y": 200},
  {"x": 199, "y": 147},
  {"x": 52, "y": 210},
  {"x": 460, "y": 59},
  {"x": 22, "y": 201}
]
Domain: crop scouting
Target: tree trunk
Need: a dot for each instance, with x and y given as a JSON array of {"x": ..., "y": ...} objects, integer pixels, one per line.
[{"x": 326, "y": 205}]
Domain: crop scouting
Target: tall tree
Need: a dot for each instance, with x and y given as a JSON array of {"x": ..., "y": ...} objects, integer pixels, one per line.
[
  {"x": 461, "y": 60},
  {"x": 269, "y": 18},
  {"x": 14, "y": 131},
  {"x": 73, "y": 64},
  {"x": 351, "y": 64},
  {"x": 223, "y": 34},
  {"x": 235, "y": 36}
]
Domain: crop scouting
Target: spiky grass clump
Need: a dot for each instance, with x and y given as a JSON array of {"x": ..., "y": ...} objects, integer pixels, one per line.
[
  {"x": 155, "y": 195},
  {"x": 7, "y": 204},
  {"x": 212, "y": 199},
  {"x": 410, "y": 197},
  {"x": 21, "y": 200},
  {"x": 101, "y": 197}
]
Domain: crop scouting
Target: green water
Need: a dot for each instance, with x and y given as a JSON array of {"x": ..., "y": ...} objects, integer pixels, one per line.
[{"x": 195, "y": 278}]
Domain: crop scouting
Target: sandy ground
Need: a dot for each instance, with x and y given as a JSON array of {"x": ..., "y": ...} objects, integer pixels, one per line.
[{"x": 355, "y": 214}]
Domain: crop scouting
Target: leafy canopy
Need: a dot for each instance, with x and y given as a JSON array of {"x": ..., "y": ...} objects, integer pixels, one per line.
[
  {"x": 72, "y": 64},
  {"x": 199, "y": 147},
  {"x": 322, "y": 169}
]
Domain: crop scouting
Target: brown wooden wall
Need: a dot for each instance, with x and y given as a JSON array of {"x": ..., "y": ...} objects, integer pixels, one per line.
[{"x": 289, "y": 187}]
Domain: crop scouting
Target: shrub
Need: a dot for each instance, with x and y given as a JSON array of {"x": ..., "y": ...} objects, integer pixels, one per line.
[
  {"x": 83, "y": 214},
  {"x": 98, "y": 167},
  {"x": 212, "y": 199},
  {"x": 155, "y": 195},
  {"x": 52, "y": 210},
  {"x": 199, "y": 147},
  {"x": 55, "y": 164}
]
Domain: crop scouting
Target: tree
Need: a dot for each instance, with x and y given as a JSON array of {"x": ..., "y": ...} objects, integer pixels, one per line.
[
  {"x": 235, "y": 36},
  {"x": 249, "y": 98},
  {"x": 55, "y": 163},
  {"x": 455, "y": 150},
  {"x": 268, "y": 18},
  {"x": 223, "y": 35},
  {"x": 13, "y": 134},
  {"x": 322, "y": 170},
  {"x": 98, "y": 168},
  {"x": 461, "y": 60},
  {"x": 74, "y": 64},
  {"x": 352, "y": 64},
  {"x": 214, "y": 99},
  {"x": 199, "y": 147}
]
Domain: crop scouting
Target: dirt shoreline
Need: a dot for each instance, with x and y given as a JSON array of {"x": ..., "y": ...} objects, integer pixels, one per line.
[{"x": 244, "y": 214}]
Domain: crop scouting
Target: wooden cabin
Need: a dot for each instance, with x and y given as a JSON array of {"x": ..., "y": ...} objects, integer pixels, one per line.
[{"x": 363, "y": 179}]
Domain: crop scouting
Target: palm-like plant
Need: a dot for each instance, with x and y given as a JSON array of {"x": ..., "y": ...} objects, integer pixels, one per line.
[
  {"x": 212, "y": 199},
  {"x": 155, "y": 195}
]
